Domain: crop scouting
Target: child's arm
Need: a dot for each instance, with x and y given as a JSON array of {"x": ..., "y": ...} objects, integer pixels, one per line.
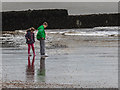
[
  {"x": 33, "y": 37},
  {"x": 27, "y": 36}
]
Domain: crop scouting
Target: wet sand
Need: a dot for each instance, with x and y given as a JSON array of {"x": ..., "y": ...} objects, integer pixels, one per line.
[{"x": 73, "y": 62}]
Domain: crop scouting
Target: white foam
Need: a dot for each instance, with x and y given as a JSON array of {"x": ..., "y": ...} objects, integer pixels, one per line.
[
  {"x": 107, "y": 28},
  {"x": 99, "y": 33}
]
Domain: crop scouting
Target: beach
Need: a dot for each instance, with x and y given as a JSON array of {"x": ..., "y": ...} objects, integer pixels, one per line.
[{"x": 78, "y": 58}]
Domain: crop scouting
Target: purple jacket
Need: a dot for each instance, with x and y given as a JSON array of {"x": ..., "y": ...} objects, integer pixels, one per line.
[{"x": 30, "y": 36}]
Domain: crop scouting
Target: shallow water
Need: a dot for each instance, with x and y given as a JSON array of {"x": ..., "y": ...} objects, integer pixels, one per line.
[
  {"x": 84, "y": 63},
  {"x": 85, "y": 66}
]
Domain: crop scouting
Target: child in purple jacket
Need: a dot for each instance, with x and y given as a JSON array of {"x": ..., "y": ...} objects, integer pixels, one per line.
[{"x": 30, "y": 39}]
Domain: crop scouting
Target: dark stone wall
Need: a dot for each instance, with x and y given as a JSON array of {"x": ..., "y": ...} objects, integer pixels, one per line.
[
  {"x": 16, "y": 20},
  {"x": 56, "y": 18},
  {"x": 94, "y": 20}
]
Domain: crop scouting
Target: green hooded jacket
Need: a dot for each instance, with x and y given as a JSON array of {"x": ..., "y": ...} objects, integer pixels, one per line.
[{"x": 41, "y": 32}]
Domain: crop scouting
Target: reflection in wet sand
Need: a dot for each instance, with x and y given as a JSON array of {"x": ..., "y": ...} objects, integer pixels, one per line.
[
  {"x": 41, "y": 70},
  {"x": 30, "y": 70}
]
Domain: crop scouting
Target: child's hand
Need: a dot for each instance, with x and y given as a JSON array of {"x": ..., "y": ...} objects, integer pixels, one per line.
[
  {"x": 28, "y": 39},
  {"x": 43, "y": 38}
]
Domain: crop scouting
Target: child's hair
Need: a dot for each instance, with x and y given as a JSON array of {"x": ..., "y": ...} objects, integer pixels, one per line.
[
  {"x": 28, "y": 29},
  {"x": 32, "y": 29},
  {"x": 45, "y": 23}
]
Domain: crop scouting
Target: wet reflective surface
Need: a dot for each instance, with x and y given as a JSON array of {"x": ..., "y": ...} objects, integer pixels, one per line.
[
  {"x": 30, "y": 71},
  {"x": 84, "y": 66},
  {"x": 85, "y": 62}
]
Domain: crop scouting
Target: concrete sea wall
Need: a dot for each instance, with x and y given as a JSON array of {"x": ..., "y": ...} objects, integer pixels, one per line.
[{"x": 56, "y": 18}]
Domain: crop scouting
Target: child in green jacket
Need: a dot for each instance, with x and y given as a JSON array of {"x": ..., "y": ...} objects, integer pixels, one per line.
[{"x": 41, "y": 37}]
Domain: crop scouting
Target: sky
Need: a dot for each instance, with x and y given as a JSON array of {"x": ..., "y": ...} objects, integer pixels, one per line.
[{"x": 74, "y": 8}]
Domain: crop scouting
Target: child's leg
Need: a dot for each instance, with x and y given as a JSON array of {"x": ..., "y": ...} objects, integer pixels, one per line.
[
  {"x": 28, "y": 49},
  {"x": 28, "y": 61},
  {"x": 42, "y": 47},
  {"x": 33, "y": 49},
  {"x": 33, "y": 61}
]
